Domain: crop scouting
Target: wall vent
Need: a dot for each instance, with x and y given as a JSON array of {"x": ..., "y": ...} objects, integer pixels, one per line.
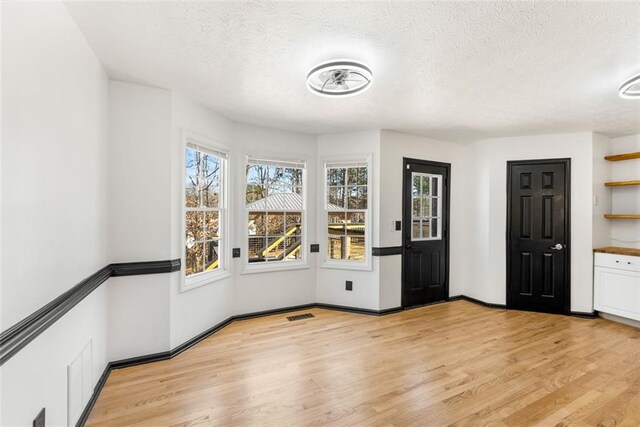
[
  {"x": 300, "y": 317},
  {"x": 79, "y": 383}
]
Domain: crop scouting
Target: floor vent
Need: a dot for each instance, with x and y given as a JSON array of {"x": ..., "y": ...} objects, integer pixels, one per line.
[{"x": 300, "y": 317}]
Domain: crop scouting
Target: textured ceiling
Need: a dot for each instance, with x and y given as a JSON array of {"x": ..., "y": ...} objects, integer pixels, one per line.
[{"x": 449, "y": 70}]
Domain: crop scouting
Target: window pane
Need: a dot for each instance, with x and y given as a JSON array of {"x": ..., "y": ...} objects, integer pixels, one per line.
[
  {"x": 191, "y": 162},
  {"x": 434, "y": 227},
  {"x": 257, "y": 179},
  {"x": 415, "y": 229},
  {"x": 416, "y": 207},
  {"x": 293, "y": 247},
  {"x": 193, "y": 258},
  {"x": 210, "y": 194},
  {"x": 210, "y": 255},
  {"x": 425, "y": 186},
  {"x": 294, "y": 219},
  {"x": 355, "y": 248},
  {"x": 211, "y": 225},
  {"x": 355, "y": 218},
  {"x": 335, "y": 176},
  {"x": 425, "y": 229},
  {"x": 335, "y": 197},
  {"x": 337, "y": 223},
  {"x": 352, "y": 191},
  {"x": 256, "y": 246},
  {"x": 416, "y": 191},
  {"x": 334, "y": 247},
  {"x": 435, "y": 183},
  {"x": 293, "y": 180},
  {"x": 211, "y": 167},
  {"x": 275, "y": 248},
  {"x": 192, "y": 196},
  {"x": 361, "y": 174},
  {"x": 194, "y": 226},
  {"x": 257, "y": 223},
  {"x": 434, "y": 207},
  {"x": 362, "y": 197},
  {"x": 425, "y": 206},
  {"x": 275, "y": 223}
]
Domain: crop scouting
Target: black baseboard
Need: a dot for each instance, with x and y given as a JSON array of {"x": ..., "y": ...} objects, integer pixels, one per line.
[
  {"x": 585, "y": 314},
  {"x": 359, "y": 310},
  {"x": 480, "y": 302},
  {"x": 94, "y": 396}
]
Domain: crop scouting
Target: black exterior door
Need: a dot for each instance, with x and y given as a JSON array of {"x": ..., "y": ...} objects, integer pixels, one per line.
[
  {"x": 538, "y": 235},
  {"x": 425, "y": 254}
]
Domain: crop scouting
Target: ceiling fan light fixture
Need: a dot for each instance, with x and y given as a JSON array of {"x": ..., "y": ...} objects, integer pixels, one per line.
[
  {"x": 339, "y": 78},
  {"x": 631, "y": 88}
]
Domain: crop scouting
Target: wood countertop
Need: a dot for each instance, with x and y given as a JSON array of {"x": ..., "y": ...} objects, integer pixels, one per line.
[{"x": 618, "y": 250}]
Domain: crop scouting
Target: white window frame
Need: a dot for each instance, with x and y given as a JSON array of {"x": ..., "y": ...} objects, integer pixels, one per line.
[
  {"x": 193, "y": 140},
  {"x": 345, "y": 264},
  {"x": 303, "y": 262},
  {"x": 440, "y": 198}
]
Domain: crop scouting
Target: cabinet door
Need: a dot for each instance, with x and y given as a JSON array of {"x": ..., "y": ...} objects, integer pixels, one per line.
[{"x": 617, "y": 292}]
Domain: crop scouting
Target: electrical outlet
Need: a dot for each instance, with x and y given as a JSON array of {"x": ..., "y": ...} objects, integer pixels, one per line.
[
  {"x": 235, "y": 253},
  {"x": 398, "y": 225},
  {"x": 39, "y": 421},
  {"x": 349, "y": 285},
  {"x": 315, "y": 247}
]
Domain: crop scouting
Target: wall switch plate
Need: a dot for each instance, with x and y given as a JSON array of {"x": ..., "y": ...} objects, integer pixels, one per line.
[
  {"x": 39, "y": 421},
  {"x": 235, "y": 253},
  {"x": 398, "y": 226},
  {"x": 315, "y": 247},
  {"x": 349, "y": 285}
]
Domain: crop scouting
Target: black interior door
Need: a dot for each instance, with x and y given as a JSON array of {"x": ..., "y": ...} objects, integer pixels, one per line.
[
  {"x": 425, "y": 255},
  {"x": 538, "y": 235}
]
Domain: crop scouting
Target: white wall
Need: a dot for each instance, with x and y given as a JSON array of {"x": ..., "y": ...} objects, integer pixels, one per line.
[
  {"x": 602, "y": 172},
  {"x": 54, "y": 117},
  {"x": 366, "y": 284},
  {"x": 487, "y": 236},
  {"x": 140, "y": 204},
  {"x": 625, "y": 233},
  {"x": 394, "y": 147}
]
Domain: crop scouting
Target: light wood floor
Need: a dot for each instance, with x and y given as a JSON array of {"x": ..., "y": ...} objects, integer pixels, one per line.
[{"x": 450, "y": 364}]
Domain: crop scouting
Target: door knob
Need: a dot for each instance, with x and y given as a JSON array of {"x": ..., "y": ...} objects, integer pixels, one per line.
[{"x": 557, "y": 247}]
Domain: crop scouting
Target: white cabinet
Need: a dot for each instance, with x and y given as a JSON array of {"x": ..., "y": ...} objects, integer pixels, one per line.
[{"x": 617, "y": 285}]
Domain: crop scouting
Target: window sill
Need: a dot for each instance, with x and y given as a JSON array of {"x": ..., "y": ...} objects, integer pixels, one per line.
[
  {"x": 347, "y": 265},
  {"x": 190, "y": 283},
  {"x": 255, "y": 269}
]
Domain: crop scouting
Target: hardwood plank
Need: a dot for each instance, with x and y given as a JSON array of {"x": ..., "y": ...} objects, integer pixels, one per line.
[
  {"x": 623, "y": 156},
  {"x": 450, "y": 364}
]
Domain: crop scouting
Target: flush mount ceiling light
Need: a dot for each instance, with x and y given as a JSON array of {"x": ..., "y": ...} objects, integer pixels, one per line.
[
  {"x": 339, "y": 78},
  {"x": 631, "y": 88}
]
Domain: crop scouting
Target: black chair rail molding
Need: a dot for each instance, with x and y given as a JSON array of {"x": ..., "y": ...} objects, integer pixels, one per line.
[
  {"x": 387, "y": 250},
  {"x": 22, "y": 333}
]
